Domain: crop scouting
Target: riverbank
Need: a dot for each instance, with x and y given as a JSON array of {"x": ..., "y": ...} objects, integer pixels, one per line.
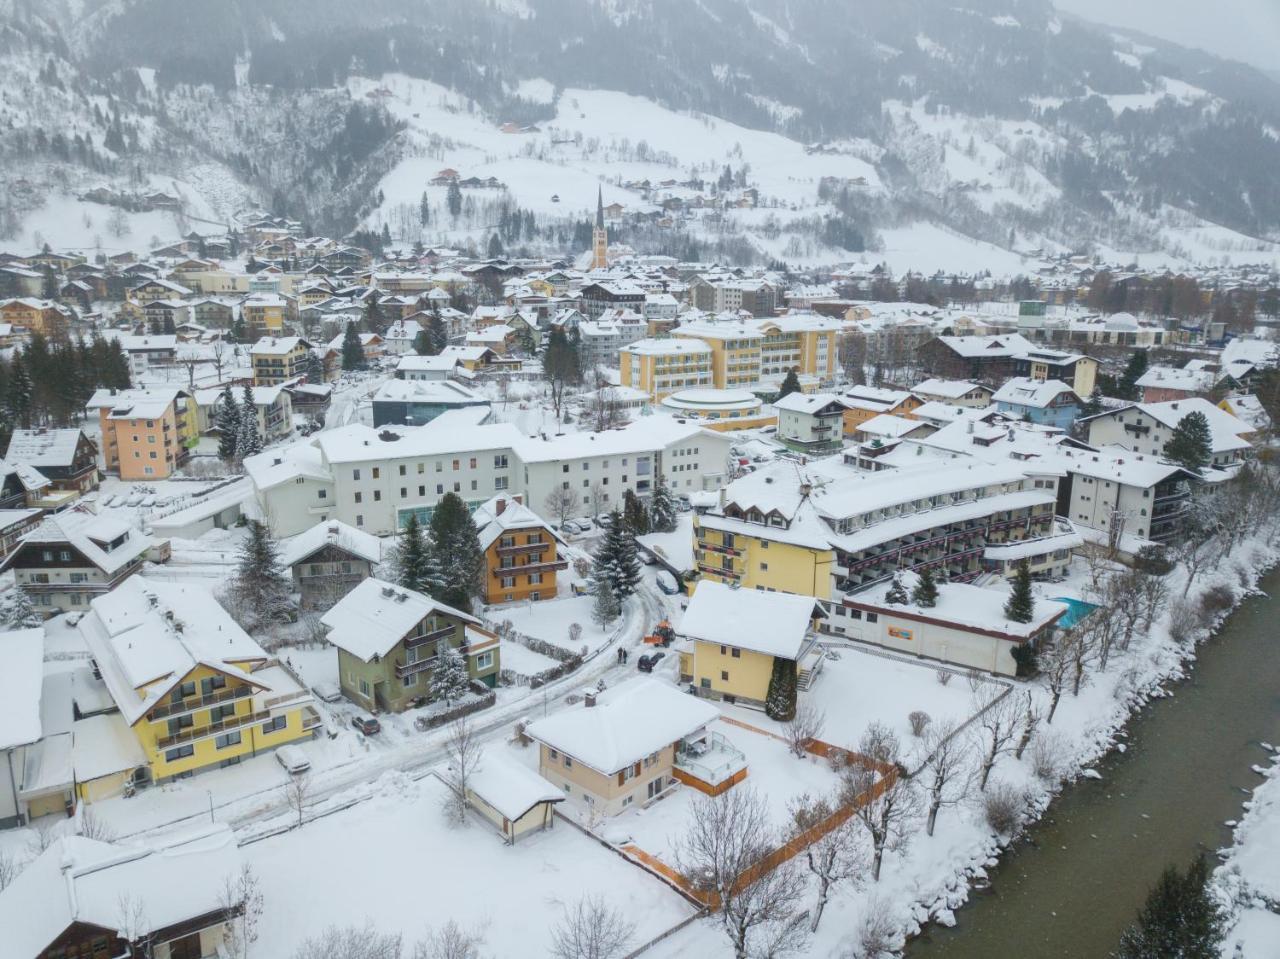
[{"x": 1249, "y": 878}]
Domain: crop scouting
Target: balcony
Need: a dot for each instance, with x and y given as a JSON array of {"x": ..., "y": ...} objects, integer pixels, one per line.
[
  {"x": 421, "y": 666},
  {"x": 718, "y": 571},
  {"x": 534, "y": 567},
  {"x": 722, "y": 550},
  {"x": 1136, "y": 430},
  {"x": 213, "y": 729},
  {"x": 523, "y": 548},
  {"x": 711, "y": 760},
  {"x": 194, "y": 704},
  {"x": 412, "y": 642}
]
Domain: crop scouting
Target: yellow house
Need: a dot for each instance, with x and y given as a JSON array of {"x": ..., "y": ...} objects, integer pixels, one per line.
[
  {"x": 863, "y": 403},
  {"x": 196, "y": 691},
  {"x": 661, "y": 367},
  {"x": 804, "y": 342},
  {"x": 735, "y": 351},
  {"x": 278, "y": 358},
  {"x": 735, "y": 636},
  {"x": 266, "y": 314}
]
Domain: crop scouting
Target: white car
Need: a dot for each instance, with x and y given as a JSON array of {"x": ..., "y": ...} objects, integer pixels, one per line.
[{"x": 293, "y": 759}]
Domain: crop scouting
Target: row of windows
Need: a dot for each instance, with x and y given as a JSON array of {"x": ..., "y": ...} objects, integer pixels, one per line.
[{"x": 500, "y": 461}]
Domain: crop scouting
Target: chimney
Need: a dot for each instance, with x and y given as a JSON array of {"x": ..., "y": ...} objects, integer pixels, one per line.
[{"x": 500, "y": 507}]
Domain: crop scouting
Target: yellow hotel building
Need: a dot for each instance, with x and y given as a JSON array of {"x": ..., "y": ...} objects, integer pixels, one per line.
[
  {"x": 661, "y": 367},
  {"x": 193, "y": 687}
]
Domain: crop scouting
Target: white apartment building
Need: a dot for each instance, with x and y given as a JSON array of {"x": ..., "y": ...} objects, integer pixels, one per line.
[
  {"x": 372, "y": 479},
  {"x": 1146, "y": 428}
]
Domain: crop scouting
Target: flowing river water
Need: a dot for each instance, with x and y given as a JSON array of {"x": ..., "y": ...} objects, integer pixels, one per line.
[{"x": 1073, "y": 888}]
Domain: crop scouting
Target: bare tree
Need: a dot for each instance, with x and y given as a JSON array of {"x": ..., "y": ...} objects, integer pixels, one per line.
[
  {"x": 9, "y": 868},
  {"x": 603, "y": 409},
  {"x": 877, "y": 934},
  {"x": 1029, "y": 713},
  {"x": 42, "y": 836},
  {"x": 597, "y": 498},
  {"x": 463, "y": 750},
  {"x": 1152, "y": 594},
  {"x": 91, "y": 826},
  {"x": 943, "y": 770},
  {"x": 919, "y": 721},
  {"x": 241, "y": 903},
  {"x": 727, "y": 836},
  {"x": 591, "y": 930},
  {"x": 1055, "y": 668},
  {"x": 297, "y": 790},
  {"x": 351, "y": 942},
  {"x": 450, "y": 941},
  {"x": 133, "y": 926},
  {"x": 561, "y": 503},
  {"x": 995, "y": 726},
  {"x": 884, "y": 798},
  {"x": 832, "y": 857},
  {"x": 804, "y": 727},
  {"x": 190, "y": 359},
  {"x": 218, "y": 356},
  {"x": 1084, "y": 648}
]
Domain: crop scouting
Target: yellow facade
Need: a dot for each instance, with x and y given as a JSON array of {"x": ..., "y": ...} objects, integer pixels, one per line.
[
  {"x": 264, "y": 319},
  {"x": 661, "y": 374},
  {"x": 756, "y": 562},
  {"x": 144, "y": 448},
  {"x": 730, "y": 671},
  {"x": 735, "y": 362},
  {"x": 855, "y": 417},
  {"x": 215, "y": 728}
]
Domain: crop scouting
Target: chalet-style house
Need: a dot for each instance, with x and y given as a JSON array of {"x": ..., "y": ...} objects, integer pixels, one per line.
[
  {"x": 520, "y": 551},
  {"x": 390, "y": 639},
  {"x": 67, "y": 458},
  {"x": 329, "y": 560}
]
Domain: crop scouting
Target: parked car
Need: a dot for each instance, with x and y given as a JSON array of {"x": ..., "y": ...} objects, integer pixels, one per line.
[
  {"x": 646, "y": 663},
  {"x": 667, "y": 583},
  {"x": 571, "y": 527},
  {"x": 293, "y": 759},
  {"x": 366, "y": 724},
  {"x": 604, "y": 521}
]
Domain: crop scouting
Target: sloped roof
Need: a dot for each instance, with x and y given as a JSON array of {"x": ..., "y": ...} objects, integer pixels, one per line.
[
  {"x": 331, "y": 533},
  {"x": 22, "y": 652},
  {"x": 774, "y": 624},
  {"x": 376, "y": 615},
  {"x": 43, "y": 447},
  {"x": 90, "y": 535}
]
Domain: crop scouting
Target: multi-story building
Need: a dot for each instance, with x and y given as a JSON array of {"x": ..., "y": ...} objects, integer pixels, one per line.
[
  {"x": 146, "y": 433},
  {"x": 413, "y": 402},
  {"x": 272, "y": 404},
  {"x": 68, "y": 458},
  {"x": 278, "y": 358},
  {"x": 328, "y": 561},
  {"x": 390, "y": 640},
  {"x": 268, "y": 314},
  {"x": 954, "y": 393},
  {"x": 735, "y": 351},
  {"x": 811, "y": 423},
  {"x": 986, "y": 359},
  {"x": 195, "y": 689},
  {"x": 1044, "y": 402},
  {"x": 863, "y": 403},
  {"x": 1077, "y": 371},
  {"x": 1147, "y": 427},
  {"x": 39, "y": 316},
  {"x": 609, "y": 295},
  {"x": 661, "y": 367},
  {"x": 521, "y": 554},
  {"x": 602, "y": 338},
  {"x": 72, "y": 557}
]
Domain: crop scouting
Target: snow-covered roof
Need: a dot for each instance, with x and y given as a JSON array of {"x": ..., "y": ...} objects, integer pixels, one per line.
[
  {"x": 973, "y": 607},
  {"x": 775, "y": 624},
  {"x": 947, "y": 389},
  {"x": 144, "y": 403},
  {"x": 424, "y": 364},
  {"x": 1187, "y": 379},
  {"x": 1024, "y": 391},
  {"x": 376, "y": 615},
  {"x": 629, "y": 722},
  {"x": 649, "y": 434},
  {"x": 91, "y": 535},
  {"x": 30, "y": 477},
  {"x": 502, "y": 513},
  {"x": 1001, "y": 345},
  {"x": 22, "y": 652},
  {"x": 331, "y": 533},
  {"x": 296, "y": 461},
  {"x": 278, "y": 345},
  {"x": 43, "y": 447},
  {"x": 890, "y": 426},
  {"x": 451, "y": 432},
  {"x": 146, "y": 635},
  {"x": 668, "y": 347},
  {"x": 807, "y": 402},
  {"x": 103, "y": 746},
  {"x": 509, "y": 787},
  {"x": 446, "y": 392},
  {"x": 79, "y": 880},
  {"x": 1225, "y": 428}
]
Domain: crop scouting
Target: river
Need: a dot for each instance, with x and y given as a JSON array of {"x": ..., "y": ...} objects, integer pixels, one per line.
[{"x": 1071, "y": 890}]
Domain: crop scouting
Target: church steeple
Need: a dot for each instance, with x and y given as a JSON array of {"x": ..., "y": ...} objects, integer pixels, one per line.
[
  {"x": 600, "y": 236},
  {"x": 600, "y": 208}
]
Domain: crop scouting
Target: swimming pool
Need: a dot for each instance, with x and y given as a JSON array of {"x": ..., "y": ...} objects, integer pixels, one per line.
[{"x": 1077, "y": 609}]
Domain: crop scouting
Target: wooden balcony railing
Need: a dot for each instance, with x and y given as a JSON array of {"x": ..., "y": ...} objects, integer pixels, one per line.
[
  {"x": 213, "y": 729},
  {"x": 195, "y": 703},
  {"x": 535, "y": 567}
]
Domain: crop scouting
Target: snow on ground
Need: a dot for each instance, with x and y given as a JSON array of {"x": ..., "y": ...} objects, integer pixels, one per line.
[
  {"x": 550, "y": 619},
  {"x": 410, "y": 869},
  {"x": 525, "y": 661},
  {"x": 1250, "y": 874},
  {"x": 926, "y": 248}
]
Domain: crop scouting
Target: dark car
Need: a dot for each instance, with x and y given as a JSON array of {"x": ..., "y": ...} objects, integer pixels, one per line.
[
  {"x": 366, "y": 724},
  {"x": 646, "y": 663}
]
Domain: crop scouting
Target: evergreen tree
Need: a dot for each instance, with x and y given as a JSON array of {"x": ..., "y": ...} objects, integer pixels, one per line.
[
  {"x": 925, "y": 593},
  {"x": 424, "y": 210},
  {"x": 1093, "y": 405},
  {"x": 228, "y": 423},
  {"x": 17, "y": 610},
  {"x": 790, "y": 384},
  {"x": 352, "y": 349},
  {"x": 239, "y": 333},
  {"x": 1020, "y": 607},
  {"x": 375, "y": 321},
  {"x": 1181, "y": 919},
  {"x": 248, "y": 439},
  {"x": 414, "y": 560},
  {"x": 897, "y": 594},
  {"x": 261, "y": 584},
  {"x": 662, "y": 507},
  {"x": 1137, "y": 365},
  {"x": 313, "y": 367},
  {"x": 617, "y": 560},
  {"x": 605, "y": 608},
  {"x": 494, "y": 248},
  {"x": 18, "y": 394},
  {"x": 49, "y": 285},
  {"x": 456, "y": 551},
  {"x": 453, "y": 199},
  {"x": 439, "y": 333},
  {"x": 1191, "y": 443},
  {"x": 449, "y": 680},
  {"x": 634, "y": 514},
  {"x": 423, "y": 345},
  {"x": 780, "y": 701}
]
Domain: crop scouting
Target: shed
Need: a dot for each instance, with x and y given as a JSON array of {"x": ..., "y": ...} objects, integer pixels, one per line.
[{"x": 512, "y": 797}]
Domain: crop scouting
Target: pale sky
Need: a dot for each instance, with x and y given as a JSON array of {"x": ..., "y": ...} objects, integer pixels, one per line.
[{"x": 1247, "y": 30}]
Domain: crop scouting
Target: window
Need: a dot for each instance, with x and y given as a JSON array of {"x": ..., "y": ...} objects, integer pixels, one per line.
[
  {"x": 535, "y": 579},
  {"x": 404, "y": 492},
  {"x": 568, "y": 763},
  {"x": 402, "y": 469},
  {"x": 484, "y": 660},
  {"x": 359, "y": 519},
  {"x": 457, "y": 465},
  {"x": 472, "y": 463},
  {"x": 355, "y": 474},
  {"x": 508, "y": 582},
  {"x": 724, "y": 675},
  {"x": 359, "y": 497},
  {"x": 736, "y": 653},
  {"x": 439, "y": 489},
  {"x": 229, "y": 739},
  {"x": 422, "y": 491},
  {"x": 275, "y": 724},
  {"x": 764, "y": 567},
  {"x": 552, "y": 754},
  {"x": 210, "y": 683},
  {"x": 219, "y": 713},
  {"x": 322, "y": 494},
  {"x": 180, "y": 752},
  {"x": 410, "y": 680},
  {"x": 364, "y": 687},
  {"x": 377, "y": 496},
  {"x": 376, "y": 472},
  {"x": 873, "y": 617},
  {"x": 500, "y": 482},
  {"x": 500, "y": 462}
]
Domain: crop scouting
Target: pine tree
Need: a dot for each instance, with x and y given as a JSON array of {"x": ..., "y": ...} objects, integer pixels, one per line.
[
  {"x": 375, "y": 321},
  {"x": 449, "y": 680},
  {"x": 248, "y": 439},
  {"x": 19, "y": 395},
  {"x": 494, "y": 248},
  {"x": 897, "y": 594},
  {"x": 260, "y": 583},
  {"x": 662, "y": 508},
  {"x": 1181, "y": 919},
  {"x": 1191, "y": 443},
  {"x": 634, "y": 514},
  {"x": 456, "y": 551},
  {"x": 605, "y": 607},
  {"x": 453, "y": 199},
  {"x": 228, "y": 423},
  {"x": 1137, "y": 365},
  {"x": 414, "y": 560},
  {"x": 17, "y": 610},
  {"x": 1020, "y": 607},
  {"x": 313, "y": 367},
  {"x": 925, "y": 593},
  {"x": 424, "y": 210},
  {"x": 439, "y": 334},
  {"x": 1093, "y": 405},
  {"x": 617, "y": 560},
  {"x": 780, "y": 701},
  {"x": 790, "y": 384},
  {"x": 352, "y": 349}
]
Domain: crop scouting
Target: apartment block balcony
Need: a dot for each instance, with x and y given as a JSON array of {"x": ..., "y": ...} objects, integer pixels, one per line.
[
  {"x": 421, "y": 666},
  {"x": 523, "y": 548},
  {"x": 722, "y": 550},
  {"x": 227, "y": 725},
  {"x": 430, "y": 637},
  {"x": 710, "y": 570},
  {"x": 537, "y": 566},
  {"x": 192, "y": 704}
]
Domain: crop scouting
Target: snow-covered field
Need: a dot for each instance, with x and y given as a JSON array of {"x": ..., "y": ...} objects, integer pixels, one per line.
[{"x": 1250, "y": 874}]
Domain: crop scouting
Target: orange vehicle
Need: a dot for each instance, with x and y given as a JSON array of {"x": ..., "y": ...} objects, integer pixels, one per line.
[{"x": 662, "y": 635}]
